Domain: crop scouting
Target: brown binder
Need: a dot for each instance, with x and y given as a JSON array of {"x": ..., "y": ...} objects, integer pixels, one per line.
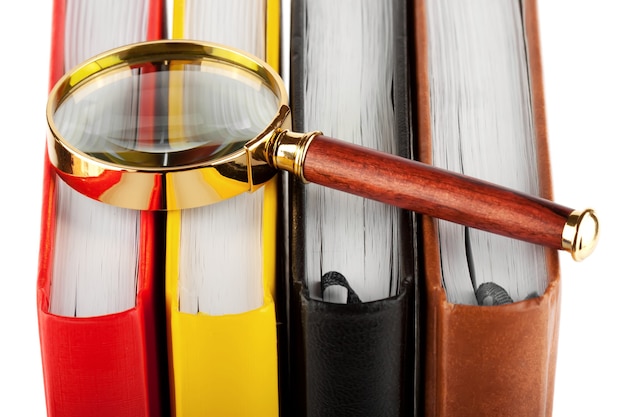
[{"x": 486, "y": 360}]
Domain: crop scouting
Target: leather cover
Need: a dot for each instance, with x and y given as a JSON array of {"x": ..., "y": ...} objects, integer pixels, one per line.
[
  {"x": 487, "y": 361},
  {"x": 354, "y": 357},
  {"x": 348, "y": 359}
]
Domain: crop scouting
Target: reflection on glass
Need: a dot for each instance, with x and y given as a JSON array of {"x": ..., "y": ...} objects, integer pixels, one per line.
[{"x": 161, "y": 116}]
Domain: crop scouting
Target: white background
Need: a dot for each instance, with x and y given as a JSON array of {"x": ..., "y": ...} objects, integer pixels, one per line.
[{"x": 584, "y": 57}]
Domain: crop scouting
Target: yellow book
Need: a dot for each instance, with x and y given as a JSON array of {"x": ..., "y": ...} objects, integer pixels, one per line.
[{"x": 221, "y": 259}]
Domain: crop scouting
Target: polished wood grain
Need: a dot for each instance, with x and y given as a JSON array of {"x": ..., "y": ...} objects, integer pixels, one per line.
[{"x": 435, "y": 192}]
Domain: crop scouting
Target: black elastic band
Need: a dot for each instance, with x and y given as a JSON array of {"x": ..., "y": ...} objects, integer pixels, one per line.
[
  {"x": 491, "y": 294},
  {"x": 335, "y": 278}
]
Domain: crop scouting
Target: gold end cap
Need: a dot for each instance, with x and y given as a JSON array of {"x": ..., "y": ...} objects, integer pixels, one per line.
[{"x": 580, "y": 233}]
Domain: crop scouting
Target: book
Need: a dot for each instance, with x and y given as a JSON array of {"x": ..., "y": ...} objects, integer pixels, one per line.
[
  {"x": 490, "y": 349},
  {"x": 220, "y": 258},
  {"x": 351, "y": 265},
  {"x": 98, "y": 285}
]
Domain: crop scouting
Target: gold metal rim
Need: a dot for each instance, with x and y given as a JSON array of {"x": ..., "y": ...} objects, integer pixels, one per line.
[{"x": 165, "y": 188}]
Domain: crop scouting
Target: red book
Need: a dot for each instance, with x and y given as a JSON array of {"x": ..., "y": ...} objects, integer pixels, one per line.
[{"x": 103, "y": 364}]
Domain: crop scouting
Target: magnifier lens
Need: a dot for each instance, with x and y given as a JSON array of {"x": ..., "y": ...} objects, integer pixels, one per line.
[{"x": 172, "y": 113}]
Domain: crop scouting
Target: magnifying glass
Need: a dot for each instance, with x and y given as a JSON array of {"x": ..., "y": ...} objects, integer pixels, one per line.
[{"x": 176, "y": 124}]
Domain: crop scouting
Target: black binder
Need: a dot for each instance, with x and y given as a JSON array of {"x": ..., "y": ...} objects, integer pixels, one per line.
[{"x": 360, "y": 358}]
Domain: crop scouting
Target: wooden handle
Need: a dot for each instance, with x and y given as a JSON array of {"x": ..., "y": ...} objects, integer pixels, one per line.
[{"x": 435, "y": 192}]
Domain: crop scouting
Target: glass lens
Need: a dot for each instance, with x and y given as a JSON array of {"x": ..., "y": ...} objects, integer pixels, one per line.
[{"x": 167, "y": 114}]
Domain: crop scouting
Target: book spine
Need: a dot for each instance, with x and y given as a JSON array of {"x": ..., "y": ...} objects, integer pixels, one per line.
[
  {"x": 97, "y": 366},
  {"x": 354, "y": 359},
  {"x": 225, "y": 364},
  {"x": 349, "y": 359},
  {"x": 105, "y": 365},
  {"x": 484, "y": 360}
]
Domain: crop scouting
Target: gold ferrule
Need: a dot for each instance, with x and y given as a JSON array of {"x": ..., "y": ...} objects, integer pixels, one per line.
[
  {"x": 287, "y": 151},
  {"x": 580, "y": 233}
]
